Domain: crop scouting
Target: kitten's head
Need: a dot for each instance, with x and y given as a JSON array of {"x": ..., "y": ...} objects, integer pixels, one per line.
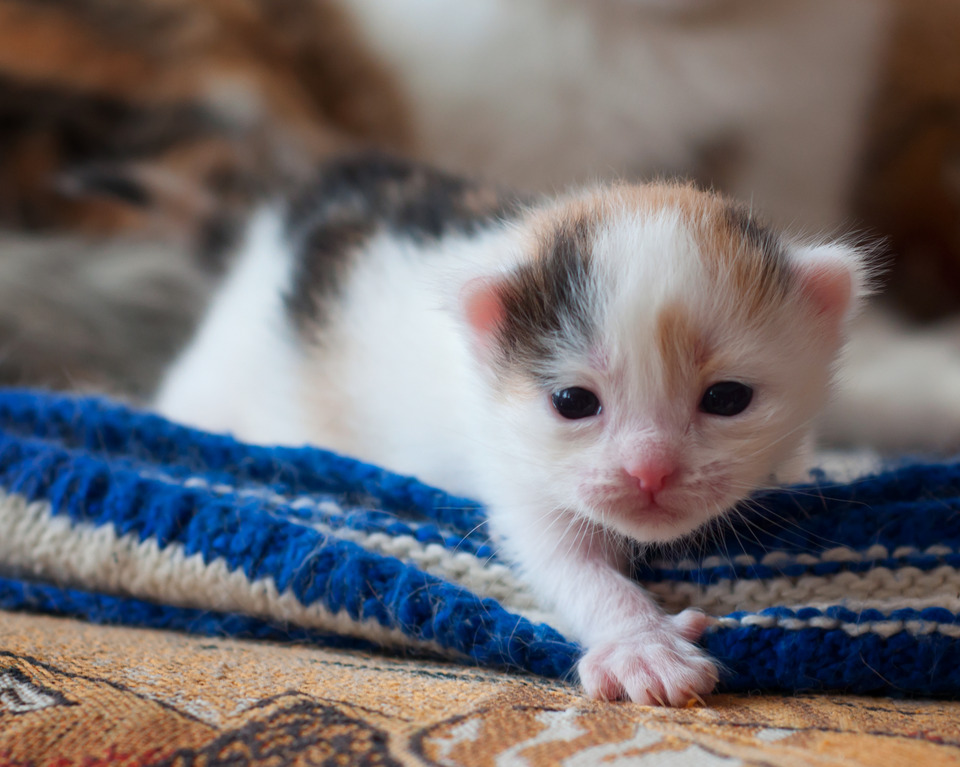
[{"x": 656, "y": 355}]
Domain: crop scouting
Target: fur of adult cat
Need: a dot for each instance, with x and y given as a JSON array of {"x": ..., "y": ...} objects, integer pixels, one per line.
[
  {"x": 766, "y": 99},
  {"x": 607, "y": 369},
  {"x": 134, "y": 135}
]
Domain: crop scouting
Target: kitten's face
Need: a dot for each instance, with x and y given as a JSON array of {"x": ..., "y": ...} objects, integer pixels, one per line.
[{"x": 663, "y": 358}]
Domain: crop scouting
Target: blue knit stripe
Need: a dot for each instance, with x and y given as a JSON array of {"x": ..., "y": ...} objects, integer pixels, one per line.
[
  {"x": 328, "y": 511},
  {"x": 112, "y": 430},
  {"x": 105, "y": 609},
  {"x": 914, "y": 504},
  {"x": 516, "y": 645},
  {"x": 817, "y": 660}
]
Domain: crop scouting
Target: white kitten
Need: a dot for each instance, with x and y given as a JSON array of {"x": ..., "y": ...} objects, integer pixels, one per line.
[{"x": 613, "y": 367}]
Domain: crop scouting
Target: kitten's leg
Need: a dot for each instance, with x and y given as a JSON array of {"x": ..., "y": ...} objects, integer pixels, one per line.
[
  {"x": 633, "y": 649},
  {"x": 899, "y": 388}
]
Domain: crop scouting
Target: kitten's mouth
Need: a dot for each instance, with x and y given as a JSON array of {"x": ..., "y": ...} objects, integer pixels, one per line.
[
  {"x": 661, "y": 518},
  {"x": 654, "y": 524},
  {"x": 646, "y": 511},
  {"x": 658, "y": 513}
]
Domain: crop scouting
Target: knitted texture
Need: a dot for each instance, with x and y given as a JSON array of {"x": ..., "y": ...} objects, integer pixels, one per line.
[{"x": 117, "y": 516}]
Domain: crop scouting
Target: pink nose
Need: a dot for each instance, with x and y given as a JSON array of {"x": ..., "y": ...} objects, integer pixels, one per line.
[{"x": 652, "y": 474}]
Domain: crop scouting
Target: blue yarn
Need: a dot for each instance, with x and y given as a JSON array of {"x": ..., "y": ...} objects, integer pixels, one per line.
[
  {"x": 110, "y": 610},
  {"x": 101, "y": 464},
  {"x": 112, "y": 431}
]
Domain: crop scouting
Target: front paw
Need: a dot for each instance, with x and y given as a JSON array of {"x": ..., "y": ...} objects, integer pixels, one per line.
[{"x": 654, "y": 665}]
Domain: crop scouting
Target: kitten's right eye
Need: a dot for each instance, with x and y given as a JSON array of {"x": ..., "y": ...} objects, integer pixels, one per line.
[
  {"x": 575, "y": 403},
  {"x": 726, "y": 398}
]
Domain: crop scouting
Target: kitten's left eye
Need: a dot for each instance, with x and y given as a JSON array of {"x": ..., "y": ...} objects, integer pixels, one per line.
[
  {"x": 574, "y": 403},
  {"x": 726, "y": 398}
]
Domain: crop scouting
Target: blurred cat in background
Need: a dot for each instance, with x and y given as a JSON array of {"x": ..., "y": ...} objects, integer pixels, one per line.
[
  {"x": 135, "y": 135},
  {"x": 764, "y": 99}
]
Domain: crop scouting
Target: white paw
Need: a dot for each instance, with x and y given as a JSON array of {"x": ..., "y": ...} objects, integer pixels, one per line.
[{"x": 655, "y": 665}]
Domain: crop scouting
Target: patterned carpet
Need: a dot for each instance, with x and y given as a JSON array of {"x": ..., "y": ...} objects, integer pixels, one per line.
[{"x": 76, "y": 694}]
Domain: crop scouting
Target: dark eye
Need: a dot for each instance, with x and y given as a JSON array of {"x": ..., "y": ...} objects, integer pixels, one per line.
[
  {"x": 576, "y": 403},
  {"x": 726, "y": 398}
]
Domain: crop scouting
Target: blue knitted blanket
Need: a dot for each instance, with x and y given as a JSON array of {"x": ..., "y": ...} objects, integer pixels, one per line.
[{"x": 117, "y": 516}]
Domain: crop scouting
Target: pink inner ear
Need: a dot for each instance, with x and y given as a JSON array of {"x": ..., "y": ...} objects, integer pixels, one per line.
[
  {"x": 483, "y": 307},
  {"x": 829, "y": 285}
]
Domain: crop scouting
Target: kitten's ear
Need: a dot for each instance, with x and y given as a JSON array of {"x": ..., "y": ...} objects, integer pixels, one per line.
[
  {"x": 834, "y": 278},
  {"x": 482, "y": 307}
]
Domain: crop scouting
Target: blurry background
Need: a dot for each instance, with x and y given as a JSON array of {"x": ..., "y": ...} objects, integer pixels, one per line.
[{"x": 136, "y": 134}]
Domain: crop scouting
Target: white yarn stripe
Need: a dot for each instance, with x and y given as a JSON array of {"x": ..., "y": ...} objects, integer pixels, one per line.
[
  {"x": 36, "y": 543},
  {"x": 481, "y": 576},
  {"x": 844, "y": 466},
  {"x": 885, "y": 628},
  {"x": 880, "y": 588},
  {"x": 483, "y": 579},
  {"x": 780, "y": 559}
]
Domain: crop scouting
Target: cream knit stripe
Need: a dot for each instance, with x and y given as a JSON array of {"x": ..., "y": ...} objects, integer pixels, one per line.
[
  {"x": 38, "y": 544},
  {"x": 885, "y": 628},
  {"x": 880, "y": 588},
  {"x": 483, "y": 577},
  {"x": 780, "y": 559}
]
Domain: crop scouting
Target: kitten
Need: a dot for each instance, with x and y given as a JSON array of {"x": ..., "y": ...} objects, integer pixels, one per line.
[{"x": 615, "y": 366}]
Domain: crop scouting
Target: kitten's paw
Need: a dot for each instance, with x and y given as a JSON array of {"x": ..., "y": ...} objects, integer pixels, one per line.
[{"x": 655, "y": 666}]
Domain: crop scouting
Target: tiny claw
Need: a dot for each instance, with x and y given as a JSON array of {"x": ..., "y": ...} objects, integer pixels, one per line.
[{"x": 694, "y": 700}]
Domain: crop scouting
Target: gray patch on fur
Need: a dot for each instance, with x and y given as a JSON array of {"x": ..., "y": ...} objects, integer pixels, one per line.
[
  {"x": 742, "y": 220},
  {"x": 547, "y": 304},
  {"x": 353, "y": 197}
]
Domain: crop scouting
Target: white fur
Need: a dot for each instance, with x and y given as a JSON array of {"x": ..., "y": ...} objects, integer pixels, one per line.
[
  {"x": 239, "y": 372},
  {"x": 396, "y": 376},
  {"x": 545, "y": 93}
]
